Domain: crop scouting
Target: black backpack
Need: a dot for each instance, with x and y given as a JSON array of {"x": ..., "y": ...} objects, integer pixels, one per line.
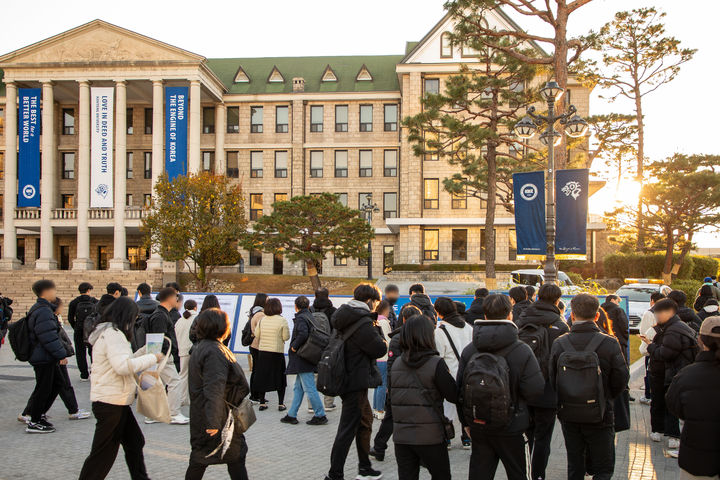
[
  {"x": 487, "y": 398},
  {"x": 89, "y": 324},
  {"x": 318, "y": 339},
  {"x": 579, "y": 383},
  {"x": 246, "y": 336},
  {"x": 141, "y": 329},
  {"x": 19, "y": 337},
  {"x": 6, "y": 312},
  {"x": 82, "y": 311},
  {"x": 331, "y": 367},
  {"x": 538, "y": 339}
]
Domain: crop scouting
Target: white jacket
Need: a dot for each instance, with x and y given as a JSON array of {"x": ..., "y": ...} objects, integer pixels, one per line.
[
  {"x": 384, "y": 325},
  {"x": 461, "y": 338},
  {"x": 182, "y": 333},
  {"x": 646, "y": 323},
  {"x": 113, "y": 365}
]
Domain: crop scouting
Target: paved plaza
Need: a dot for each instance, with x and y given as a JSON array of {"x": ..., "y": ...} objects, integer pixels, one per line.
[{"x": 277, "y": 451}]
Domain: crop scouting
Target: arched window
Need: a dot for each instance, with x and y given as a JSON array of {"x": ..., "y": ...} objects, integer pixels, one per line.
[{"x": 446, "y": 50}]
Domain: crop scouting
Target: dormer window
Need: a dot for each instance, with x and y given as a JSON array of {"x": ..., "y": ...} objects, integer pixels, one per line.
[
  {"x": 364, "y": 75},
  {"x": 446, "y": 50},
  {"x": 241, "y": 76},
  {"x": 275, "y": 76},
  {"x": 328, "y": 75}
]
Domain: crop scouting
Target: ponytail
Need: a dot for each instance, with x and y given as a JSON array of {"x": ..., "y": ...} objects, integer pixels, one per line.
[{"x": 189, "y": 305}]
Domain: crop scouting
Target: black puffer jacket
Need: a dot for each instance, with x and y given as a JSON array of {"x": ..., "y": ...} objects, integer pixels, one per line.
[
  {"x": 519, "y": 308},
  {"x": 526, "y": 379},
  {"x": 147, "y": 304},
  {"x": 325, "y": 306},
  {"x": 47, "y": 346},
  {"x": 475, "y": 312},
  {"x": 160, "y": 322},
  {"x": 546, "y": 315},
  {"x": 693, "y": 396},
  {"x": 423, "y": 302},
  {"x": 362, "y": 348},
  {"x": 214, "y": 377},
  {"x": 689, "y": 316},
  {"x": 300, "y": 334},
  {"x": 673, "y": 347},
  {"x": 620, "y": 326}
]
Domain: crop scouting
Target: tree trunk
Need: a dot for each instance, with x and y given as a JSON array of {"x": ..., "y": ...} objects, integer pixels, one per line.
[
  {"x": 560, "y": 68},
  {"x": 640, "y": 166},
  {"x": 201, "y": 277},
  {"x": 667, "y": 268},
  {"x": 490, "y": 277},
  {"x": 313, "y": 274},
  {"x": 683, "y": 253}
]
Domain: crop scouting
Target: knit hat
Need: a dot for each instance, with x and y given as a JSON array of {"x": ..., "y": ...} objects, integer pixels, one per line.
[
  {"x": 707, "y": 280},
  {"x": 708, "y": 325}
]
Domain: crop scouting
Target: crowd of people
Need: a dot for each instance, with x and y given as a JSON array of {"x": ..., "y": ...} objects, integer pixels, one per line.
[{"x": 507, "y": 368}]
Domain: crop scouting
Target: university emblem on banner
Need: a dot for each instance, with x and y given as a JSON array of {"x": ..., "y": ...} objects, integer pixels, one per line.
[
  {"x": 28, "y": 191},
  {"x": 572, "y": 189},
  {"x": 529, "y": 192},
  {"x": 102, "y": 190}
]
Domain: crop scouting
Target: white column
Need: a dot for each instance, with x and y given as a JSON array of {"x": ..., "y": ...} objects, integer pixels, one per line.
[
  {"x": 83, "y": 262},
  {"x": 47, "y": 180},
  {"x": 155, "y": 262},
  {"x": 119, "y": 260},
  {"x": 9, "y": 260},
  {"x": 220, "y": 112},
  {"x": 195, "y": 127}
]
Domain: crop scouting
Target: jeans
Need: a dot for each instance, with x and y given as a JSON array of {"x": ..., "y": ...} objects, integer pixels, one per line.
[
  {"x": 355, "y": 424},
  {"x": 381, "y": 391},
  {"x": 598, "y": 443},
  {"x": 81, "y": 351},
  {"x": 305, "y": 383}
]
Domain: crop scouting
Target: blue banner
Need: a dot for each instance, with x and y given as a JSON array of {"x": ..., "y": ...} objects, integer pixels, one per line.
[
  {"x": 29, "y": 147},
  {"x": 176, "y": 129},
  {"x": 529, "y": 195},
  {"x": 571, "y": 198}
]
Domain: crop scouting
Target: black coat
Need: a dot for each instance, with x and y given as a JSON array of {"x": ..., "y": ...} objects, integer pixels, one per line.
[
  {"x": 424, "y": 304},
  {"x": 392, "y": 316},
  {"x": 519, "y": 308},
  {"x": 620, "y": 326},
  {"x": 72, "y": 308},
  {"x": 322, "y": 305},
  {"x": 47, "y": 346},
  {"x": 693, "y": 396},
  {"x": 615, "y": 371},
  {"x": 160, "y": 323},
  {"x": 673, "y": 347},
  {"x": 689, "y": 316},
  {"x": 147, "y": 304},
  {"x": 475, "y": 312},
  {"x": 362, "y": 348},
  {"x": 300, "y": 334},
  {"x": 214, "y": 377}
]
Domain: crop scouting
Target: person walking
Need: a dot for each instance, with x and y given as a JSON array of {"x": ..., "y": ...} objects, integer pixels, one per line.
[
  {"x": 79, "y": 309},
  {"x": 182, "y": 333},
  {"x": 475, "y": 312},
  {"x": 272, "y": 332},
  {"x": 421, "y": 381},
  {"x": 587, "y": 386},
  {"x": 112, "y": 391},
  {"x": 257, "y": 313},
  {"x": 646, "y": 327},
  {"x": 217, "y": 383},
  {"x": 303, "y": 370},
  {"x": 362, "y": 347},
  {"x": 692, "y": 396},
  {"x": 383, "y": 324}
]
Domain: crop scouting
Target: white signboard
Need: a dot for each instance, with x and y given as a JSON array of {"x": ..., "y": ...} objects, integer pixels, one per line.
[{"x": 101, "y": 147}]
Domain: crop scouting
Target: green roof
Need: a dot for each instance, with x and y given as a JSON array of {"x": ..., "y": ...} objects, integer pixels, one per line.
[{"x": 381, "y": 67}]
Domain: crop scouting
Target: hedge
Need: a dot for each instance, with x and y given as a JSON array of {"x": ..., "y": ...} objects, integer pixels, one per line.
[
  {"x": 452, "y": 267},
  {"x": 636, "y": 265},
  {"x": 690, "y": 287}
]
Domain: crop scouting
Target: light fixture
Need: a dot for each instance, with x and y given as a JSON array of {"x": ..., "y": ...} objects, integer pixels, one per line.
[
  {"x": 545, "y": 137},
  {"x": 525, "y": 128},
  {"x": 576, "y": 127},
  {"x": 552, "y": 91}
]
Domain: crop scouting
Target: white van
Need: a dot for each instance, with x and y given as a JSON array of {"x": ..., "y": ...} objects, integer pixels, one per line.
[{"x": 535, "y": 277}]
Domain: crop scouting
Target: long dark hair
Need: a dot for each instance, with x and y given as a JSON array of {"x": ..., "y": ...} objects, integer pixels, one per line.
[
  {"x": 122, "y": 313},
  {"x": 260, "y": 299},
  {"x": 210, "y": 301},
  {"x": 418, "y": 334}
]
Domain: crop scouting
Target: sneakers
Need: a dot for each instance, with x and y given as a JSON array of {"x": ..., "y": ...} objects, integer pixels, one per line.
[
  {"x": 645, "y": 400},
  {"x": 656, "y": 437},
  {"x": 39, "y": 427},
  {"x": 449, "y": 444},
  {"x": 150, "y": 421},
  {"x": 379, "y": 456},
  {"x": 23, "y": 418},
  {"x": 318, "y": 420},
  {"x": 674, "y": 453},
  {"x": 379, "y": 414},
  {"x": 673, "y": 443},
  {"x": 331, "y": 408},
  {"x": 179, "y": 419},
  {"x": 79, "y": 415},
  {"x": 84, "y": 379},
  {"x": 289, "y": 420},
  {"x": 311, "y": 411},
  {"x": 369, "y": 474},
  {"x": 466, "y": 444}
]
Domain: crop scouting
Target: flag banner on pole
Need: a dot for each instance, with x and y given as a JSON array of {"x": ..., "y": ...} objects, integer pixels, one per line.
[
  {"x": 101, "y": 146},
  {"x": 176, "y": 130},
  {"x": 29, "y": 147},
  {"x": 529, "y": 195},
  {"x": 571, "y": 199}
]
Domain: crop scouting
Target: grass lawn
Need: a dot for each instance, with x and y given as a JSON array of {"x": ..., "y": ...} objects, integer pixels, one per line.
[
  {"x": 278, "y": 284},
  {"x": 634, "y": 348}
]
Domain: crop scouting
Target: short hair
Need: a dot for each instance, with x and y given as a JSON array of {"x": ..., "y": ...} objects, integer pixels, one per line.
[
  {"x": 41, "y": 286},
  {"x": 416, "y": 288},
  {"x": 85, "y": 287},
  {"x": 322, "y": 292},
  {"x": 166, "y": 293},
  {"x": 144, "y": 289},
  {"x": 273, "y": 306},
  {"x": 518, "y": 294},
  {"x": 113, "y": 287},
  {"x": 678, "y": 296},
  {"x": 418, "y": 334},
  {"x": 656, "y": 296},
  {"x": 706, "y": 290},
  {"x": 124, "y": 292},
  {"x": 584, "y": 306},
  {"x": 611, "y": 297},
  {"x": 497, "y": 307},
  {"x": 549, "y": 292},
  {"x": 530, "y": 291},
  {"x": 666, "y": 304},
  {"x": 211, "y": 324},
  {"x": 460, "y": 307},
  {"x": 302, "y": 302},
  {"x": 408, "y": 311},
  {"x": 210, "y": 301},
  {"x": 365, "y": 291},
  {"x": 174, "y": 285},
  {"x": 391, "y": 288},
  {"x": 445, "y": 306},
  {"x": 482, "y": 292}
]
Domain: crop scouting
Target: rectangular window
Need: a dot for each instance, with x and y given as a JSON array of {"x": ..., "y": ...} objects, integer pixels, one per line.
[
  {"x": 431, "y": 153},
  {"x": 129, "y": 165},
  {"x": 512, "y": 244},
  {"x": 233, "y": 166},
  {"x": 256, "y": 164},
  {"x": 342, "y": 199},
  {"x": 459, "y": 200},
  {"x": 128, "y": 200},
  {"x": 68, "y": 165},
  {"x": 280, "y": 197},
  {"x": 431, "y": 244},
  {"x": 68, "y": 200},
  {"x": 281, "y": 164},
  {"x": 208, "y": 114},
  {"x": 431, "y": 194},
  {"x": 148, "y": 121},
  {"x": 68, "y": 122},
  {"x": 341, "y": 163},
  {"x": 483, "y": 251},
  {"x": 233, "y": 119},
  {"x": 316, "y": 164},
  {"x": 341, "y": 118},
  {"x": 2, "y": 121},
  {"x": 102, "y": 256},
  {"x": 147, "y": 165},
  {"x": 147, "y": 200},
  {"x": 366, "y": 118},
  {"x": 2, "y": 165},
  {"x": 282, "y": 119},
  {"x": 390, "y": 163},
  {"x": 129, "y": 121},
  {"x": 340, "y": 261},
  {"x": 256, "y": 119},
  {"x": 391, "y": 117},
  {"x": 459, "y": 245},
  {"x": 432, "y": 86},
  {"x": 317, "y": 113},
  {"x": 446, "y": 50},
  {"x": 255, "y": 258},
  {"x": 390, "y": 205},
  {"x": 256, "y": 206},
  {"x": 208, "y": 161},
  {"x": 366, "y": 163}
]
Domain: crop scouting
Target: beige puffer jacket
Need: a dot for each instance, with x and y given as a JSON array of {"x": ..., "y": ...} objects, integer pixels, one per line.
[{"x": 272, "y": 332}]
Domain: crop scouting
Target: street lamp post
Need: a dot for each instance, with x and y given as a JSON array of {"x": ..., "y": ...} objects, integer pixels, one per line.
[
  {"x": 368, "y": 209},
  {"x": 575, "y": 126}
]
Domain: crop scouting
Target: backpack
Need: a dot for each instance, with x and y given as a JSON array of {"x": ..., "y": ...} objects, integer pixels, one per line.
[
  {"x": 318, "y": 339},
  {"x": 331, "y": 367},
  {"x": 247, "y": 337},
  {"x": 487, "y": 399},
  {"x": 6, "y": 312},
  {"x": 19, "y": 337},
  {"x": 538, "y": 339},
  {"x": 579, "y": 383},
  {"x": 141, "y": 329},
  {"x": 82, "y": 311},
  {"x": 89, "y": 324}
]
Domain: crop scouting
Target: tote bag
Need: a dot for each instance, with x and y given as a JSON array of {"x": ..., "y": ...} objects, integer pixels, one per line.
[{"x": 153, "y": 402}]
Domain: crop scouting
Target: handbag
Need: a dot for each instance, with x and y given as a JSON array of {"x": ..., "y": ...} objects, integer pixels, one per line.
[
  {"x": 153, "y": 401},
  {"x": 448, "y": 426},
  {"x": 244, "y": 415}
]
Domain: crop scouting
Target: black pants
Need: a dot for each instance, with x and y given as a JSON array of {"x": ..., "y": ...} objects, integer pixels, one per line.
[
  {"x": 80, "y": 352},
  {"x": 66, "y": 393},
  {"x": 48, "y": 383},
  {"x": 596, "y": 442},
  {"x": 236, "y": 470},
  {"x": 254, "y": 395},
  {"x": 488, "y": 450},
  {"x": 380, "y": 443},
  {"x": 433, "y": 457},
  {"x": 355, "y": 424},
  {"x": 540, "y": 438},
  {"x": 661, "y": 420},
  {"x": 280, "y": 393},
  {"x": 648, "y": 388},
  {"x": 116, "y": 425}
]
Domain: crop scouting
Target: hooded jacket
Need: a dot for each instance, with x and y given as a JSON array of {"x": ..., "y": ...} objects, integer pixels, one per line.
[
  {"x": 620, "y": 326},
  {"x": 475, "y": 312},
  {"x": 519, "y": 308},
  {"x": 361, "y": 348},
  {"x": 689, "y": 316},
  {"x": 324, "y": 305},
  {"x": 709, "y": 310},
  {"x": 300, "y": 335},
  {"x": 47, "y": 346},
  {"x": 673, "y": 347},
  {"x": 423, "y": 302},
  {"x": 526, "y": 379}
]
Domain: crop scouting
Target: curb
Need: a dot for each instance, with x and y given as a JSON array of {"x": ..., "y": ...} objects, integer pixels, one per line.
[{"x": 637, "y": 370}]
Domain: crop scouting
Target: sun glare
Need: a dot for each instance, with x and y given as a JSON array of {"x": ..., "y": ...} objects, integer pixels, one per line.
[{"x": 612, "y": 196}]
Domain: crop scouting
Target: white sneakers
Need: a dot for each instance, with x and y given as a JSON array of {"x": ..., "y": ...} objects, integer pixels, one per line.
[
  {"x": 179, "y": 419},
  {"x": 645, "y": 401},
  {"x": 674, "y": 453},
  {"x": 378, "y": 414},
  {"x": 656, "y": 437},
  {"x": 79, "y": 415},
  {"x": 673, "y": 443}
]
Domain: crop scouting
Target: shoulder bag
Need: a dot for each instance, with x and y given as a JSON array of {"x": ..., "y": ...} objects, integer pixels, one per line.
[{"x": 152, "y": 402}]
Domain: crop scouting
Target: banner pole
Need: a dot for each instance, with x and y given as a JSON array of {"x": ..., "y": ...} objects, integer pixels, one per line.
[{"x": 550, "y": 266}]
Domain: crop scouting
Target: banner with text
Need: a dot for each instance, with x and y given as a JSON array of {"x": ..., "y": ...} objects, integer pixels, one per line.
[
  {"x": 29, "y": 147},
  {"x": 571, "y": 198},
  {"x": 176, "y": 102},
  {"x": 529, "y": 195},
  {"x": 101, "y": 146}
]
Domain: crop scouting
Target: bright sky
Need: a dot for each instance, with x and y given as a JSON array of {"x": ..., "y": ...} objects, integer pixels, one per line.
[{"x": 678, "y": 116}]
